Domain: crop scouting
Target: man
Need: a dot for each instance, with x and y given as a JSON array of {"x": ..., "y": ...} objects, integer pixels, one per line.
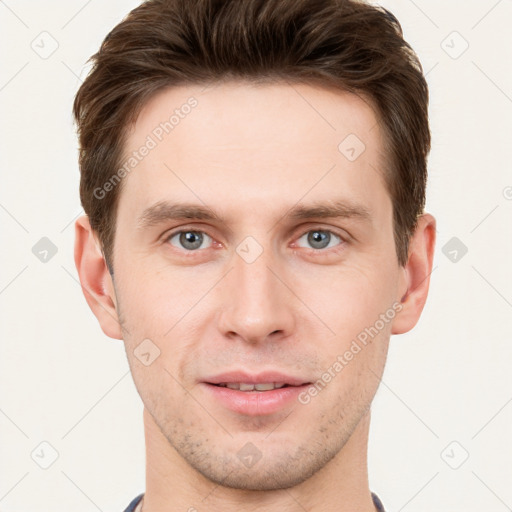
[{"x": 253, "y": 175}]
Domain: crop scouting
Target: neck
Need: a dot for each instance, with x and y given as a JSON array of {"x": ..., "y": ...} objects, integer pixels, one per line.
[{"x": 173, "y": 485}]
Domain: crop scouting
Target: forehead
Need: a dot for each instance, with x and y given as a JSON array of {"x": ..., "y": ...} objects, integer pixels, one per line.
[{"x": 238, "y": 144}]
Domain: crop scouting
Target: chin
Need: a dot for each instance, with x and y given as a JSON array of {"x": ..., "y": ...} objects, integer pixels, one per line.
[
  {"x": 273, "y": 472},
  {"x": 258, "y": 480}
]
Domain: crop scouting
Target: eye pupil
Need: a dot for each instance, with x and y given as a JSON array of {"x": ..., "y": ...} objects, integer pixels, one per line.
[
  {"x": 319, "y": 239},
  {"x": 191, "y": 239}
]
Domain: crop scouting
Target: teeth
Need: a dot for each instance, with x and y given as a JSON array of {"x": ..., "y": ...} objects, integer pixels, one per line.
[
  {"x": 264, "y": 387},
  {"x": 242, "y": 386}
]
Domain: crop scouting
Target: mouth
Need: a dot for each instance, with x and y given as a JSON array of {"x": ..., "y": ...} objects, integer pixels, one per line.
[
  {"x": 255, "y": 395},
  {"x": 262, "y": 386}
]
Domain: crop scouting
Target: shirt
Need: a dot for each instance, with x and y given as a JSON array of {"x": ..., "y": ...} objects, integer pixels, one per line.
[{"x": 132, "y": 507}]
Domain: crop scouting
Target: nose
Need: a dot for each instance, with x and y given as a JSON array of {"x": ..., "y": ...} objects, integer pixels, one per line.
[{"x": 257, "y": 302}]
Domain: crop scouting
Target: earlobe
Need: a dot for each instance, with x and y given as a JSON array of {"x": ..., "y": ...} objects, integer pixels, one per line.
[
  {"x": 95, "y": 278},
  {"x": 416, "y": 275}
]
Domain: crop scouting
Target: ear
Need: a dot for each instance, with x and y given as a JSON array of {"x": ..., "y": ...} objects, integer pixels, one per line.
[
  {"x": 95, "y": 278},
  {"x": 415, "y": 278}
]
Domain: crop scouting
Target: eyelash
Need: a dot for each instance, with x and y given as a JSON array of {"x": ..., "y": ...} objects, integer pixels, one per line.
[{"x": 337, "y": 248}]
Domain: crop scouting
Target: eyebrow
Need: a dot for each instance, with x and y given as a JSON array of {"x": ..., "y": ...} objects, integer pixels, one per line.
[{"x": 164, "y": 211}]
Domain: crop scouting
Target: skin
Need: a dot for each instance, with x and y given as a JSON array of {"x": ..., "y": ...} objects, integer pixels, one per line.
[{"x": 250, "y": 153}]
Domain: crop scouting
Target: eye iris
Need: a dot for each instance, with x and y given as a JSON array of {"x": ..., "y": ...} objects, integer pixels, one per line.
[
  {"x": 191, "y": 239},
  {"x": 319, "y": 239}
]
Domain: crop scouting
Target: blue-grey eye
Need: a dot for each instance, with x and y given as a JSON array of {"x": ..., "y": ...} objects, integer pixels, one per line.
[
  {"x": 320, "y": 239},
  {"x": 190, "y": 240}
]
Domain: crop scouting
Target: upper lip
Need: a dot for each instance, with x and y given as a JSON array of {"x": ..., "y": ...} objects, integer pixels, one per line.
[{"x": 256, "y": 378}]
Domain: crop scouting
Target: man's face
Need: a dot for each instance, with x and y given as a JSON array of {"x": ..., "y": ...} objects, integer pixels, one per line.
[{"x": 258, "y": 289}]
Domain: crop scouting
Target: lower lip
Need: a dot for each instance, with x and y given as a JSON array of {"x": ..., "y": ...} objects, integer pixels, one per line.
[{"x": 255, "y": 403}]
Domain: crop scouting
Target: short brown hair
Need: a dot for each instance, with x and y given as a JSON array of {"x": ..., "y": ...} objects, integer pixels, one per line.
[{"x": 347, "y": 44}]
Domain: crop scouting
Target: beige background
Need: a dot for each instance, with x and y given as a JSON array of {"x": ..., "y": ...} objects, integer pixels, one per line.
[{"x": 447, "y": 390}]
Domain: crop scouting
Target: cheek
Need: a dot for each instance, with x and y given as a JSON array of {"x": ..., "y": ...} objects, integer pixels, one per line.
[
  {"x": 347, "y": 300},
  {"x": 352, "y": 307},
  {"x": 152, "y": 301},
  {"x": 162, "y": 315},
  {"x": 157, "y": 387}
]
